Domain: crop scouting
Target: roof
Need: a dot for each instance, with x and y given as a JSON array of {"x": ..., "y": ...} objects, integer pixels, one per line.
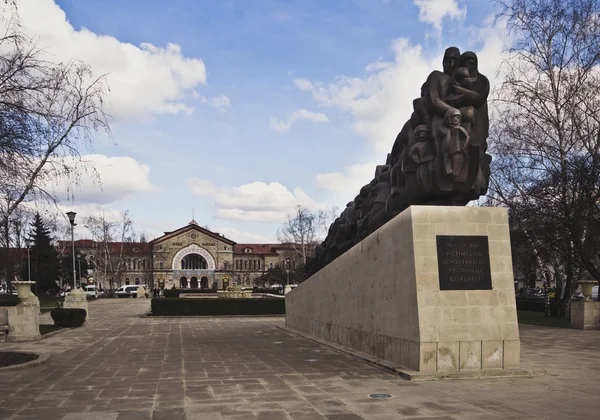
[
  {"x": 260, "y": 249},
  {"x": 193, "y": 226}
]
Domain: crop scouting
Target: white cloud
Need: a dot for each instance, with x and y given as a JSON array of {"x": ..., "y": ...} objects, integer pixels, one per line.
[
  {"x": 143, "y": 80},
  {"x": 103, "y": 180},
  {"x": 350, "y": 181},
  {"x": 221, "y": 103},
  {"x": 257, "y": 201},
  {"x": 435, "y": 11},
  {"x": 303, "y": 84},
  {"x": 297, "y": 115}
]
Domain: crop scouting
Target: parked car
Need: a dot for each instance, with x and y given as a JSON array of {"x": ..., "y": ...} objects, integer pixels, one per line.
[
  {"x": 129, "y": 291},
  {"x": 90, "y": 290}
]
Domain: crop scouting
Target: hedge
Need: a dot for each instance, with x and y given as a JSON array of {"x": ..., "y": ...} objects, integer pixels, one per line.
[
  {"x": 68, "y": 317},
  {"x": 172, "y": 306},
  {"x": 535, "y": 304},
  {"x": 174, "y": 293},
  {"x": 9, "y": 300}
]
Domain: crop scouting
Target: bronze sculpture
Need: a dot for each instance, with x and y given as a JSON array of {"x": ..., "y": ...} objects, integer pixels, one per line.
[{"x": 438, "y": 158}]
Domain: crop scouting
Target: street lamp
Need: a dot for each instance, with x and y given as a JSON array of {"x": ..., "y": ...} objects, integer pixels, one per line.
[
  {"x": 28, "y": 243},
  {"x": 72, "y": 215}
]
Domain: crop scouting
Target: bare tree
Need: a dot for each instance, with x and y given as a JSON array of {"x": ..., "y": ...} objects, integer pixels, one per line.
[
  {"x": 545, "y": 130},
  {"x": 110, "y": 238},
  {"x": 303, "y": 231},
  {"x": 48, "y": 112}
]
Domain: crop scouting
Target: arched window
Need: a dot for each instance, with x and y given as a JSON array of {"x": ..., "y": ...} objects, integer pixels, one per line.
[
  {"x": 137, "y": 280},
  {"x": 144, "y": 264},
  {"x": 129, "y": 264},
  {"x": 255, "y": 264},
  {"x": 126, "y": 280},
  {"x": 270, "y": 266},
  {"x": 245, "y": 264},
  {"x": 160, "y": 265},
  {"x": 225, "y": 265},
  {"x": 259, "y": 264},
  {"x": 193, "y": 262}
]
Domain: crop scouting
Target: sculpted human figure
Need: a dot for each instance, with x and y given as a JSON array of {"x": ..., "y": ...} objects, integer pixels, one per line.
[
  {"x": 438, "y": 157},
  {"x": 422, "y": 153},
  {"x": 380, "y": 193}
]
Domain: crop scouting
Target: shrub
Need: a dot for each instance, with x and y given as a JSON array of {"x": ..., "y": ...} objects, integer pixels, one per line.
[
  {"x": 171, "y": 293},
  {"x": 68, "y": 317},
  {"x": 530, "y": 304},
  {"x": 9, "y": 300},
  {"x": 172, "y": 306}
]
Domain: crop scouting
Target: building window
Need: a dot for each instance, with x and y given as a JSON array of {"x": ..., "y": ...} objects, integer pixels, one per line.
[
  {"x": 126, "y": 280},
  {"x": 224, "y": 265},
  {"x": 270, "y": 266},
  {"x": 137, "y": 280},
  {"x": 193, "y": 262},
  {"x": 245, "y": 264},
  {"x": 144, "y": 264},
  {"x": 255, "y": 264},
  {"x": 160, "y": 265},
  {"x": 259, "y": 264}
]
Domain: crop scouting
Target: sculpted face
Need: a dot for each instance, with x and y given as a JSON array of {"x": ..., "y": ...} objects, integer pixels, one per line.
[
  {"x": 469, "y": 60},
  {"x": 453, "y": 117},
  {"x": 451, "y": 60},
  {"x": 421, "y": 133}
]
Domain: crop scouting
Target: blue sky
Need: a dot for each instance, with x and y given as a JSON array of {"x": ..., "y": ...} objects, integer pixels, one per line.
[{"x": 259, "y": 105}]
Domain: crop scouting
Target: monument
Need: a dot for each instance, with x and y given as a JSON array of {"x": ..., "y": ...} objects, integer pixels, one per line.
[{"x": 407, "y": 274}]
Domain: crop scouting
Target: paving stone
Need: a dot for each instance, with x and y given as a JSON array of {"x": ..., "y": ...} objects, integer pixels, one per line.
[{"x": 220, "y": 368}]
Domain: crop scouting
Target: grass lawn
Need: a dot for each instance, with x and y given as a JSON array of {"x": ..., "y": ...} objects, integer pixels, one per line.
[
  {"x": 45, "y": 329},
  {"x": 533, "y": 317}
]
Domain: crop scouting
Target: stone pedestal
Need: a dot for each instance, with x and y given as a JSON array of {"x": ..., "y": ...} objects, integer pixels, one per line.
[
  {"x": 141, "y": 293},
  {"x": 585, "y": 314},
  {"x": 430, "y": 291},
  {"x": 77, "y": 299},
  {"x": 24, "y": 289},
  {"x": 24, "y": 320}
]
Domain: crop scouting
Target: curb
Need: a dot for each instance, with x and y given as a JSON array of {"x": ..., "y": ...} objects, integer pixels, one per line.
[
  {"x": 411, "y": 375},
  {"x": 42, "y": 358}
]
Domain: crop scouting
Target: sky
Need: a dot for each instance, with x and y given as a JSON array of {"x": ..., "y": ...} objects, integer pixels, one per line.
[{"x": 234, "y": 112}]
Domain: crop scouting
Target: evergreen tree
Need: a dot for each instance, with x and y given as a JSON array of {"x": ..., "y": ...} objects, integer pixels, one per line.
[
  {"x": 43, "y": 256},
  {"x": 66, "y": 268}
]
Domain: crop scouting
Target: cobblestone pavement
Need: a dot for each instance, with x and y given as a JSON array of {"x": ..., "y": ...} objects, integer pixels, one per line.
[{"x": 121, "y": 365}]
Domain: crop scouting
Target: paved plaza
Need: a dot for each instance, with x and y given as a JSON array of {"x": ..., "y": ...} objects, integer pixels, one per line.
[{"x": 122, "y": 365}]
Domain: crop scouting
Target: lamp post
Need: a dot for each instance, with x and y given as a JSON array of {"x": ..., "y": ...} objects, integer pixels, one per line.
[
  {"x": 72, "y": 215},
  {"x": 28, "y": 243},
  {"x": 79, "y": 266}
]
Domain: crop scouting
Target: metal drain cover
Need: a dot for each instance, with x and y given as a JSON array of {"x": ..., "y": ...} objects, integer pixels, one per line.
[{"x": 380, "y": 396}]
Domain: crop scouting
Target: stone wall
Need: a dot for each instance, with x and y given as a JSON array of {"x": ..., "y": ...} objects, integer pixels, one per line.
[{"x": 383, "y": 297}]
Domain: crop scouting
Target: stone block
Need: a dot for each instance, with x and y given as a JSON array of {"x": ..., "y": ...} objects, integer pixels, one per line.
[
  {"x": 24, "y": 321},
  {"x": 447, "y": 355},
  {"x": 405, "y": 353},
  {"x": 585, "y": 315},
  {"x": 470, "y": 355},
  {"x": 428, "y": 357},
  {"x": 512, "y": 354},
  {"x": 492, "y": 354}
]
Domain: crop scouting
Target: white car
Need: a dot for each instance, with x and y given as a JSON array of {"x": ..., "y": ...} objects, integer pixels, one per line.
[
  {"x": 129, "y": 290},
  {"x": 90, "y": 290}
]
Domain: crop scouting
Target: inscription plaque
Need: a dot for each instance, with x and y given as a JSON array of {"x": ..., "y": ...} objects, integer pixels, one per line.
[{"x": 464, "y": 262}]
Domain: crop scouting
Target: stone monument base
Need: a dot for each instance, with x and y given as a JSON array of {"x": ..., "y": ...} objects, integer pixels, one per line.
[
  {"x": 430, "y": 292},
  {"x": 585, "y": 314},
  {"x": 24, "y": 320}
]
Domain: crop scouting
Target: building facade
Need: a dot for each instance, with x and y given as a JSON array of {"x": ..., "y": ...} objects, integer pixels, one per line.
[{"x": 189, "y": 257}]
